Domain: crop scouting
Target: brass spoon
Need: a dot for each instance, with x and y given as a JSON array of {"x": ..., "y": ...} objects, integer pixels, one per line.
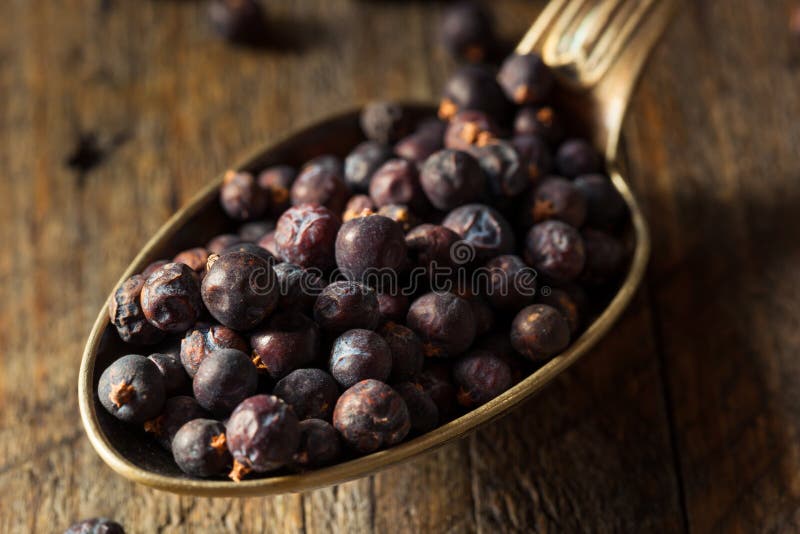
[{"x": 598, "y": 48}]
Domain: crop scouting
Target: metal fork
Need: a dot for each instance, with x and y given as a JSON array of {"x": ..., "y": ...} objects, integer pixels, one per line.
[{"x": 598, "y": 49}]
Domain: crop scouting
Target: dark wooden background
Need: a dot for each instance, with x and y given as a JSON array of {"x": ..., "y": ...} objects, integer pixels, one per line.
[{"x": 113, "y": 112}]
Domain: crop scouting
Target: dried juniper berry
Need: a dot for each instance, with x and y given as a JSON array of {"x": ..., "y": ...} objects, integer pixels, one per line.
[
  {"x": 535, "y": 155},
  {"x": 171, "y": 298},
  {"x": 251, "y": 232},
  {"x": 240, "y": 290},
  {"x": 540, "y": 121},
  {"x": 277, "y": 182},
  {"x": 469, "y": 129},
  {"x": 555, "y": 198},
  {"x": 224, "y": 379},
  {"x": 422, "y": 411},
  {"x": 401, "y": 215},
  {"x": 204, "y": 339},
  {"x": 406, "y": 350},
  {"x": 177, "y": 412},
  {"x": 250, "y": 248},
  {"x": 555, "y": 249},
  {"x": 605, "y": 207},
  {"x": 169, "y": 364},
  {"x": 358, "y": 206},
  {"x": 311, "y": 393},
  {"x": 525, "y": 78},
  {"x": 268, "y": 243},
  {"x": 605, "y": 257},
  {"x": 360, "y": 354},
  {"x": 431, "y": 246},
  {"x": 397, "y": 182},
  {"x": 306, "y": 235},
  {"x": 153, "y": 267},
  {"x": 539, "y": 332},
  {"x": 445, "y": 323},
  {"x": 371, "y": 415},
  {"x": 238, "y": 21},
  {"x": 436, "y": 382},
  {"x": 241, "y": 196},
  {"x": 482, "y": 227},
  {"x": 570, "y": 301},
  {"x": 474, "y": 87},
  {"x": 222, "y": 242},
  {"x": 362, "y": 162},
  {"x": 288, "y": 341},
  {"x": 384, "y": 122},
  {"x": 451, "y": 178},
  {"x": 321, "y": 181},
  {"x": 467, "y": 31},
  {"x": 263, "y": 435},
  {"x": 576, "y": 157},
  {"x": 392, "y": 306},
  {"x": 95, "y": 525},
  {"x": 132, "y": 389},
  {"x": 366, "y": 245},
  {"x": 194, "y": 258},
  {"x": 345, "y": 305},
  {"x": 480, "y": 377},
  {"x": 320, "y": 445},
  {"x": 483, "y": 314},
  {"x": 512, "y": 284},
  {"x": 427, "y": 139},
  {"x": 127, "y": 316},
  {"x": 298, "y": 287},
  {"x": 504, "y": 168},
  {"x": 200, "y": 448}
]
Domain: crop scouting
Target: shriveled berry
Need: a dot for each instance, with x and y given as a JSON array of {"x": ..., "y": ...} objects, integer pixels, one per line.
[
  {"x": 250, "y": 248},
  {"x": 392, "y": 306},
  {"x": 298, "y": 287},
  {"x": 604, "y": 257},
  {"x": 171, "y": 298},
  {"x": 467, "y": 31},
  {"x": 360, "y": 354},
  {"x": 240, "y": 290},
  {"x": 263, "y": 435},
  {"x": 469, "y": 129},
  {"x": 222, "y": 242},
  {"x": 306, "y": 236},
  {"x": 169, "y": 364},
  {"x": 422, "y": 411},
  {"x": 445, "y": 323},
  {"x": 556, "y": 198},
  {"x": 384, "y": 122},
  {"x": 177, "y": 412},
  {"x": 277, "y": 182},
  {"x": 200, "y": 448},
  {"x": 512, "y": 284},
  {"x": 238, "y": 21},
  {"x": 153, "y": 267},
  {"x": 321, "y": 181},
  {"x": 480, "y": 376},
  {"x": 605, "y": 207},
  {"x": 224, "y": 379},
  {"x": 241, "y": 196},
  {"x": 570, "y": 301},
  {"x": 397, "y": 182},
  {"x": 362, "y": 162},
  {"x": 555, "y": 249},
  {"x": 540, "y": 121},
  {"x": 367, "y": 244},
  {"x": 358, "y": 206},
  {"x": 371, "y": 415},
  {"x": 474, "y": 87},
  {"x": 252, "y": 232},
  {"x": 576, "y": 157},
  {"x": 436, "y": 382},
  {"x": 204, "y": 339},
  {"x": 451, "y": 178},
  {"x": 431, "y": 246},
  {"x": 535, "y": 156},
  {"x": 289, "y": 341},
  {"x": 427, "y": 139},
  {"x": 320, "y": 444},
  {"x": 483, "y": 228},
  {"x": 345, "y": 305},
  {"x": 504, "y": 168},
  {"x": 525, "y": 78},
  {"x": 406, "y": 350},
  {"x": 311, "y": 393},
  {"x": 127, "y": 316},
  {"x": 268, "y": 243},
  {"x": 95, "y": 525},
  {"x": 539, "y": 332},
  {"x": 132, "y": 389},
  {"x": 194, "y": 258}
]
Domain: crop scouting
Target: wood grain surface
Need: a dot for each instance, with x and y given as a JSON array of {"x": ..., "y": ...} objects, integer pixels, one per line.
[{"x": 685, "y": 418}]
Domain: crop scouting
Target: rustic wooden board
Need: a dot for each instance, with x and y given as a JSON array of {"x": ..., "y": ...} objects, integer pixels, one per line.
[{"x": 685, "y": 417}]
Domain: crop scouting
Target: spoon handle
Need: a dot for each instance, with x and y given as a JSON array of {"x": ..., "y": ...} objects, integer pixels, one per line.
[{"x": 598, "y": 47}]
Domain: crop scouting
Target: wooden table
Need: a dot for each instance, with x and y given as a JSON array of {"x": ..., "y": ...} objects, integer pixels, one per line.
[{"x": 114, "y": 112}]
